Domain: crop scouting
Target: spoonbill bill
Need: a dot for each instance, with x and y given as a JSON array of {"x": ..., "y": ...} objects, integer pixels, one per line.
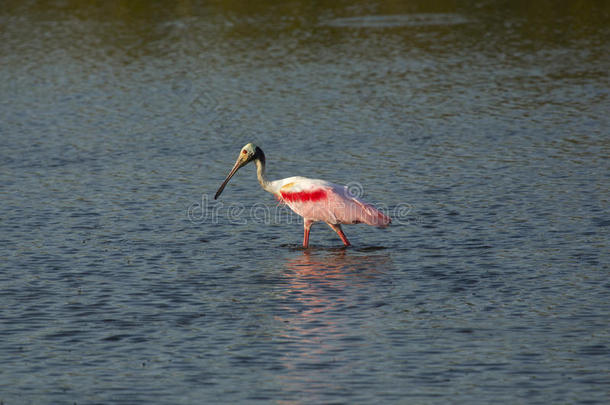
[{"x": 314, "y": 200}]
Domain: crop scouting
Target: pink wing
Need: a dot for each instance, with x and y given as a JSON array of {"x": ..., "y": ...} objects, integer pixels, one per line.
[{"x": 319, "y": 200}]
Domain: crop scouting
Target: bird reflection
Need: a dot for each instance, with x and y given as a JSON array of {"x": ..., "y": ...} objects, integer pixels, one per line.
[
  {"x": 322, "y": 306},
  {"x": 338, "y": 265}
]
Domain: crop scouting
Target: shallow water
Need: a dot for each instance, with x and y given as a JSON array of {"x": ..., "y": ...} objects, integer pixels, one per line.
[{"x": 481, "y": 129}]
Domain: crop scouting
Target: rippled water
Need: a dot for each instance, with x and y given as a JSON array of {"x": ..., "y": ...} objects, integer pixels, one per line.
[{"x": 483, "y": 131}]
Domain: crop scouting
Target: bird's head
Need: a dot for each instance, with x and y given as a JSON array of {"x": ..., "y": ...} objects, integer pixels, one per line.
[{"x": 247, "y": 154}]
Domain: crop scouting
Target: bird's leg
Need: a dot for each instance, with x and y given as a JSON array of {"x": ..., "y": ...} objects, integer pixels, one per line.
[
  {"x": 337, "y": 228},
  {"x": 307, "y": 225}
]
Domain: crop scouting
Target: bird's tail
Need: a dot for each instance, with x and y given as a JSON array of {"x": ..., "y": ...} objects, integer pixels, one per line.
[{"x": 372, "y": 216}]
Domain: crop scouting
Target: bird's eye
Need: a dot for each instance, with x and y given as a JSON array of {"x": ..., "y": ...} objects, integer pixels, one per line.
[{"x": 244, "y": 151}]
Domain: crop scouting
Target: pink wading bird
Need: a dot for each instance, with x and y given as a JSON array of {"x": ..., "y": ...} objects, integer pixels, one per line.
[{"x": 314, "y": 200}]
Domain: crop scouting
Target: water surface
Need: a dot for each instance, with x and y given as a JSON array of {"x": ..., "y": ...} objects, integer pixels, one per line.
[{"x": 481, "y": 129}]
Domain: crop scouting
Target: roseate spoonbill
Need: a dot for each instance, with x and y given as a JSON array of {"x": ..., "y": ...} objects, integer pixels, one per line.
[{"x": 314, "y": 200}]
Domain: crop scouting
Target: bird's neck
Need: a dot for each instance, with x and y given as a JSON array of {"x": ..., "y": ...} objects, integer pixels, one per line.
[{"x": 262, "y": 178}]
